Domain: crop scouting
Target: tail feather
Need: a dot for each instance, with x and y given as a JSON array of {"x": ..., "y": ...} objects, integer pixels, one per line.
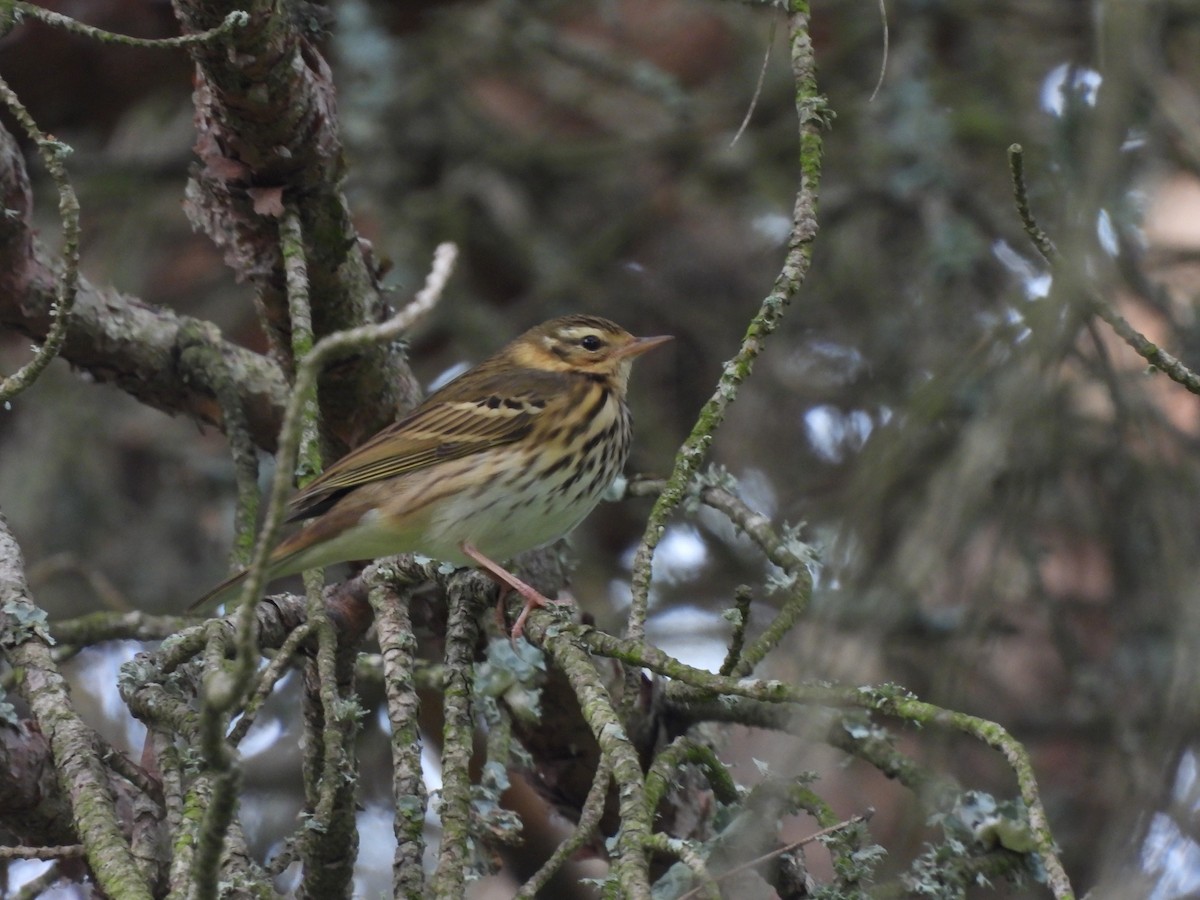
[
  {"x": 336, "y": 536},
  {"x": 290, "y": 557},
  {"x": 224, "y": 592}
]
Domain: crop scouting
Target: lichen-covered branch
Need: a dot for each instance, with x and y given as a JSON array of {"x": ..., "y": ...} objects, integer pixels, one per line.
[
  {"x": 329, "y": 843},
  {"x": 664, "y": 771},
  {"x": 267, "y": 136},
  {"x": 462, "y": 630},
  {"x": 81, "y": 774},
  {"x": 813, "y": 116},
  {"x": 397, "y": 645},
  {"x": 585, "y": 828},
  {"x": 565, "y": 641},
  {"x": 785, "y": 552},
  {"x": 912, "y": 710},
  {"x": 329, "y": 840},
  {"x": 116, "y": 338},
  {"x": 52, "y": 152},
  {"x": 630, "y": 877}
]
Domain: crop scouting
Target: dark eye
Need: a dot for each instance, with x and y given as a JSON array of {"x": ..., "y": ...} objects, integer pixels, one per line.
[{"x": 591, "y": 342}]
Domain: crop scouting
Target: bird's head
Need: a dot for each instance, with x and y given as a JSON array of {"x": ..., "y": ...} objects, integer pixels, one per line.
[{"x": 584, "y": 344}]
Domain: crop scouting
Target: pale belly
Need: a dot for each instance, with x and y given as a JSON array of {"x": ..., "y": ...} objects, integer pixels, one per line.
[{"x": 505, "y": 517}]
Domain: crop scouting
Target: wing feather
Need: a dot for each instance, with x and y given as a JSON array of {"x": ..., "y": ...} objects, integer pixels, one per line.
[{"x": 500, "y": 409}]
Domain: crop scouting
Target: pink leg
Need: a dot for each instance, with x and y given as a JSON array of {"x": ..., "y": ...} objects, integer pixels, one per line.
[
  {"x": 505, "y": 590},
  {"x": 508, "y": 581}
]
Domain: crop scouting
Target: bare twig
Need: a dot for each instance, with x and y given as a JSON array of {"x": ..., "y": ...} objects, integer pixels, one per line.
[
  {"x": 779, "y": 851},
  {"x": 1168, "y": 364},
  {"x": 64, "y": 852},
  {"x": 762, "y": 75},
  {"x": 883, "y": 18},
  {"x": 1016, "y": 164}
]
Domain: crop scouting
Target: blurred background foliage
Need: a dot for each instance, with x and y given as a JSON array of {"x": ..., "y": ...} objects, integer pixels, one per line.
[{"x": 1005, "y": 499}]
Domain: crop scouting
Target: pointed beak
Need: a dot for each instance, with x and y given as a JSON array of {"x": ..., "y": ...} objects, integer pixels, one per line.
[{"x": 638, "y": 346}]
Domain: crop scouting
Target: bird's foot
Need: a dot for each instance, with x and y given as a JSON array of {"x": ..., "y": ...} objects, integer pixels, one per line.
[{"x": 508, "y": 582}]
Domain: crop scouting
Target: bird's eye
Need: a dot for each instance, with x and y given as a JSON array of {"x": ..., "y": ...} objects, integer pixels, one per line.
[{"x": 591, "y": 342}]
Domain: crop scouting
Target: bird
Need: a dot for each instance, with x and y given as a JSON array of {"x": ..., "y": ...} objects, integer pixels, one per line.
[{"x": 509, "y": 456}]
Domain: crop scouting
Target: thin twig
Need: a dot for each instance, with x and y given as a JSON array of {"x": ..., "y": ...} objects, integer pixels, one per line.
[
  {"x": 201, "y": 359},
  {"x": 52, "y": 152},
  {"x": 330, "y": 347},
  {"x": 585, "y": 828},
  {"x": 1166, "y": 363},
  {"x": 1016, "y": 165},
  {"x": 743, "y": 596},
  {"x": 776, "y": 548},
  {"x": 295, "y": 272},
  {"x": 274, "y": 671},
  {"x": 235, "y": 19},
  {"x": 883, "y": 18},
  {"x": 67, "y": 851},
  {"x": 779, "y": 851},
  {"x": 687, "y": 854},
  {"x": 329, "y": 719},
  {"x": 762, "y": 75},
  {"x": 813, "y": 114},
  {"x": 39, "y": 886},
  {"x": 221, "y": 777}
]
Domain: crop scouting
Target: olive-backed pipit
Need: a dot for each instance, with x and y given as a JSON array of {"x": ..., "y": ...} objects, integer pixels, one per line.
[{"x": 509, "y": 456}]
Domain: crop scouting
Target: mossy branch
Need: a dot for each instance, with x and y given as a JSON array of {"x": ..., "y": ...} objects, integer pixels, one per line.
[
  {"x": 329, "y": 722},
  {"x": 813, "y": 116},
  {"x": 631, "y": 870},
  {"x": 568, "y": 643},
  {"x": 784, "y": 552}
]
